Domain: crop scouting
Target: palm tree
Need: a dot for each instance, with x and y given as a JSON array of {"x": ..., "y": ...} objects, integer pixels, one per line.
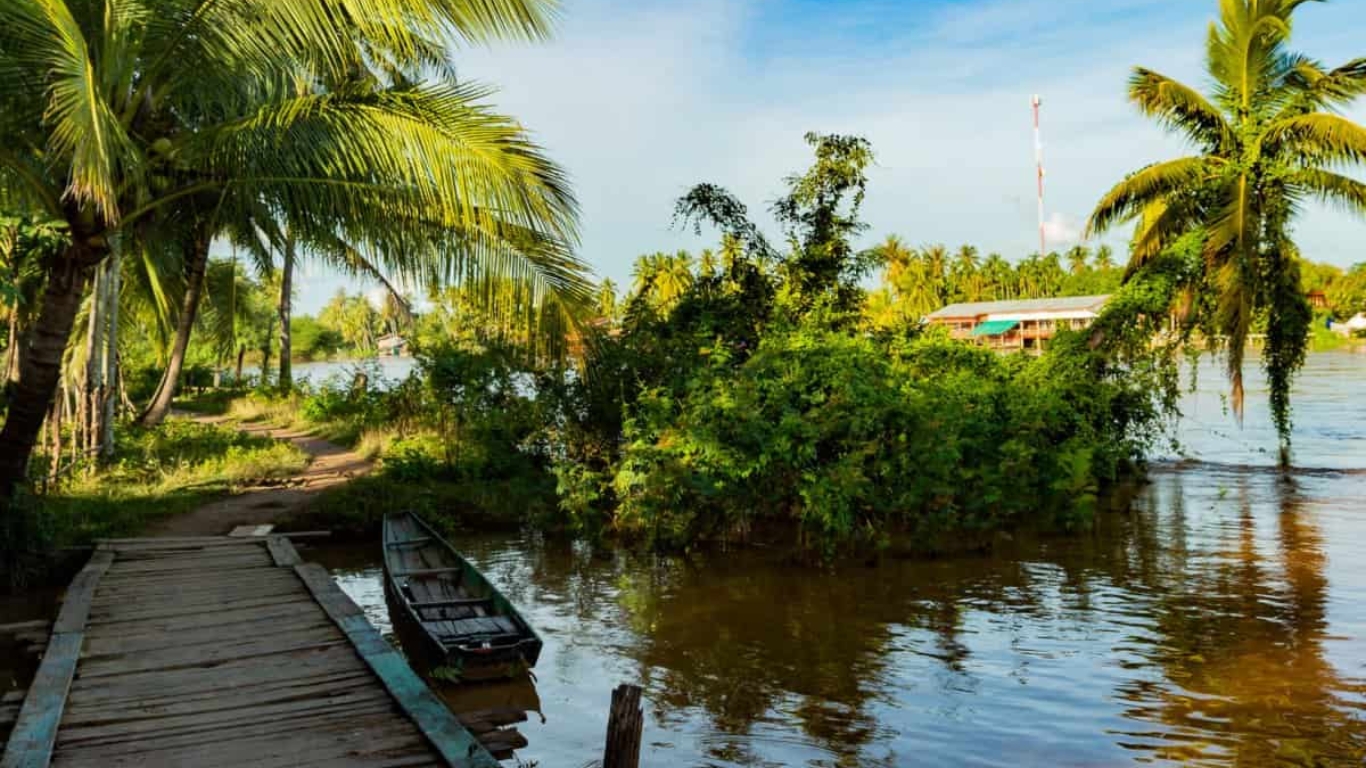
[
  {"x": 999, "y": 276},
  {"x": 1104, "y": 259},
  {"x": 107, "y": 121},
  {"x": 968, "y": 283},
  {"x": 662, "y": 279},
  {"x": 606, "y": 301},
  {"x": 936, "y": 259},
  {"x": 1077, "y": 258},
  {"x": 1268, "y": 137}
]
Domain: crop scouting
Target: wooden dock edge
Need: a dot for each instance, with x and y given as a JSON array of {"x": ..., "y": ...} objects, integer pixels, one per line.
[
  {"x": 433, "y": 718},
  {"x": 34, "y": 735}
]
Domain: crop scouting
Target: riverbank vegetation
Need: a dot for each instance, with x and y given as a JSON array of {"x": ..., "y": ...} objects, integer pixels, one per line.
[
  {"x": 777, "y": 384},
  {"x": 154, "y": 473},
  {"x": 754, "y": 394}
]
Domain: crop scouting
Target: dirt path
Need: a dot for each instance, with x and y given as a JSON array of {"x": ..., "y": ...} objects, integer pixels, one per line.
[{"x": 330, "y": 465}]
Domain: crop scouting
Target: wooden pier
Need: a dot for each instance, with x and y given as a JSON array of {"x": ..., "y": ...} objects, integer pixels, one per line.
[{"x": 222, "y": 651}]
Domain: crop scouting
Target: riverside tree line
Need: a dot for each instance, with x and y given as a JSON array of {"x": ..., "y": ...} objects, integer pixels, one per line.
[{"x": 757, "y": 386}]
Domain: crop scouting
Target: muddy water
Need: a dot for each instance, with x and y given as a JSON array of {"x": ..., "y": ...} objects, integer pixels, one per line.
[{"x": 1220, "y": 622}]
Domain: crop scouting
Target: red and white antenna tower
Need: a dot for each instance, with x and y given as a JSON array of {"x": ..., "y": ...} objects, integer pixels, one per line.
[{"x": 1038, "y": 159}]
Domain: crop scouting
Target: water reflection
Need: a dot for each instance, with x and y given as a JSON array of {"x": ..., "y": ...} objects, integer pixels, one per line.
[{"x": 1219, "y": 622}]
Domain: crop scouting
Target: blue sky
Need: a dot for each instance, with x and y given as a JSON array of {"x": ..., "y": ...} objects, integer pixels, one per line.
[{"x": 640, "y": 99}]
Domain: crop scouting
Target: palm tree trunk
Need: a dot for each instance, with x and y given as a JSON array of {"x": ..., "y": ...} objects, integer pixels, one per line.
[
  {"x": 40, "y": 361},
  {"x": 265, "y": 352},
  {"x": 12, "y": 351},
  {"x": 196, "y": 262},
  {"x": 111, "y": 359},
  {"x": 286, "y": 288},
  {"x": 241, "y": 353},
  {"x": 91, "y": 385}
]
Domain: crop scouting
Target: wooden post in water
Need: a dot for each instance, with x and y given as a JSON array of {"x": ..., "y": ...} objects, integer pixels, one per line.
[{"x": 624, "y": 725}]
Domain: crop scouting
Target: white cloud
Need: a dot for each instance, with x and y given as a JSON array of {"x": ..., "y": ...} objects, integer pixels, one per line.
[
  {"x": 640, "y": 99},
  {"x": 1061, "y": 232}
]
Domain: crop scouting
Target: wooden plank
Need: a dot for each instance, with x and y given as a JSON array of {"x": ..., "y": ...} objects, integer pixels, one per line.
[
  {"x": 106, "y": 601},
  {"x": 381, "y": 720},
  {"x": 436, "y": 722},
  {"x": 226, "y": 677},
  {"x": 76, "y": 604},
  {"x": 82, "y": 709},
  {"x": 252, "y": 698},
  {"x": 365, "y": 701},
  {"x": 106, "y": 616},
  {"x": 342, "y": 746},
  {"x": 223, "y": 618},
  {"x": 199, "y": 656},
  {"x": 461, "y": 603},
  {"x": 35, "y": 732},
  {"x": 118, "y": 643},
  {"x": 251, "y": 530},
  {"x": 19, "y": 627},
  {"x": 428, "y": 572},
  {"x": 282, "y": 552}
]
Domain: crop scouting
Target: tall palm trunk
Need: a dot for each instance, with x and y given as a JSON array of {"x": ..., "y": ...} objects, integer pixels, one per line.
[
  {"x": 40, "y": 361},
  {"x": 241, "y": 354},
  {"x": 286, "y": 289},
  {"x": 265, "y": 352},
  {"x": 91, "y": 425},
  {"x": 111, "y": 358},
  {"x": 196, "y": 263},
  {"x": 12, "y": 351}
]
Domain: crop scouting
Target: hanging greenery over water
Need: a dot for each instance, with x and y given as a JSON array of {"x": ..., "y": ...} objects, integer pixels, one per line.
[{"x": 1268, "y": 137}]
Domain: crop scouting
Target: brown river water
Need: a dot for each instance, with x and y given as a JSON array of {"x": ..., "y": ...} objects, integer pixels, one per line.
[{"x": 1220, "y": 621}]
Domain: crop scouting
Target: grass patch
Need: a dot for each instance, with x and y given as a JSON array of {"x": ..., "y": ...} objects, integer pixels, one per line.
[
  {"x": 356, "y": 509},
  {"x": 210, "y": 402},
  {"x": 157, "y": 473}
]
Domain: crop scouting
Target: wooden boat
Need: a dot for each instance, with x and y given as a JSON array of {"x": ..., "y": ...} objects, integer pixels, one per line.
[{"x": 449, "y": 618}]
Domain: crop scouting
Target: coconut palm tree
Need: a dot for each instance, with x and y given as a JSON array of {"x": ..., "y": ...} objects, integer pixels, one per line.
[
  {"x": 663, "y": 278},
  {"x": 968, "y": 284},
  {"x": 1104, "y": 259},
  {"x": 936, "y": 258},
  {"x": 1268, "y": 136},
  {"x": 999, "y": 277},
  {"x": 110, "y": 117},
  {"x": 1077, "y": 258}
]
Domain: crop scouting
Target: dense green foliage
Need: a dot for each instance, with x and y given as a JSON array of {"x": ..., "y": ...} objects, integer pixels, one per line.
[{"x": 747, "y": 396}]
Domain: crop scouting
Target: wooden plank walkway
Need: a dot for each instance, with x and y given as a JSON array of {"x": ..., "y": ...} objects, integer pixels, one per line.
[{"x": 222, "y": 651}]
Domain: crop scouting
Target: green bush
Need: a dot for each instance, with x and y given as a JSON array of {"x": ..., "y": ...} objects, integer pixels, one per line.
[{"x": 850, "y": 439}]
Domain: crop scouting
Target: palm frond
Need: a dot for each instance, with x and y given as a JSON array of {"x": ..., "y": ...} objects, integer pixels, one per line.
[
  {"x": 85, "y": 134},
  {"x": 1130, "y": 197},
  {"x": 1317, "y": 138},
  {"x": 1179, "y": 107},
  {"x": 1332, "y": 188}
]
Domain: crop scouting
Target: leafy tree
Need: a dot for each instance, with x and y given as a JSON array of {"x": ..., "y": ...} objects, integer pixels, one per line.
[
  {"x": 1269, "y": 136},
  {"x": 1348, "y": 295},
  {"x": 819, "y": 219},
  {"x": 110, "y": 122},
  {"x": 354, "y": 320}
]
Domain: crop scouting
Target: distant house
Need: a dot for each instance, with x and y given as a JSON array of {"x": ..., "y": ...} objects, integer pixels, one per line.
[
  {"x": 392, "y": 346},
  {"x": 1317, "y": 299},
  {"x": 1018, "y": 325}
]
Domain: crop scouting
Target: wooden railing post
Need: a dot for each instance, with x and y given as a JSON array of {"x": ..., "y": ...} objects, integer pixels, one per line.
[{"x": 624, "y": 725}]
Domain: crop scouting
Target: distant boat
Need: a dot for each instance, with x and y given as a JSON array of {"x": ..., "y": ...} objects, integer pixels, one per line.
[{"x": 449, "y": 618}]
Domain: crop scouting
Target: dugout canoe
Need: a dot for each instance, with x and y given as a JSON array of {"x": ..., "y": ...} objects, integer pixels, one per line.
[{"x": 449, "y": 618}]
